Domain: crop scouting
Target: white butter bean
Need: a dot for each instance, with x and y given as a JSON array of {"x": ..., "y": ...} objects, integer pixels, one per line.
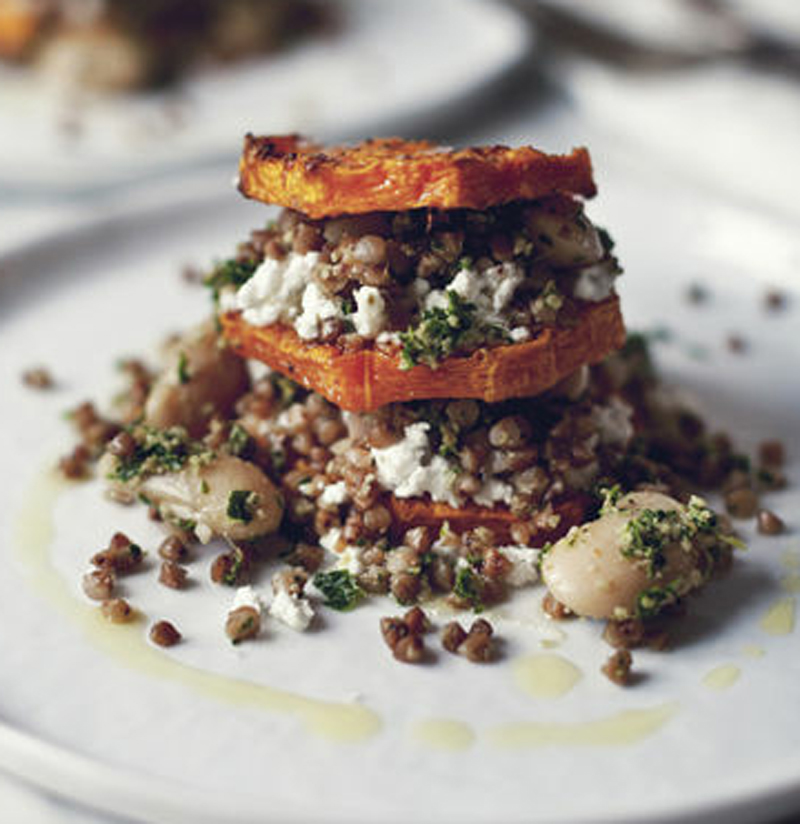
[{"x": 587, "y": 572}]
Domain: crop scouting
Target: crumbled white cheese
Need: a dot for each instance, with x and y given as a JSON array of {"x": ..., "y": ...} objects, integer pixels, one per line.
[
  {"x": 248, "y": 597},
  {"x": 613, "y": 422},
  {"x": 490, "y": 290},
  {"x": 350, "y": 559},
  {"x": 331, "y": 539},
  {"x": 595, "y": 283},
  {"x": 492, "y": 491},
  {"x": 275, "y": 291},
  {"x": 334, "y": 495},
  {"x": 572, "y": 241},
  {"x": 408, "y": 470},
  {"x": 293, "y": 610},
  {"x": 370, "y": 318},
  {"x": 524, "y": 562},
  {"x": 284, "y": 291},
  {"x": 519, "y": 334},
  {"x": 317, "y": 308}
]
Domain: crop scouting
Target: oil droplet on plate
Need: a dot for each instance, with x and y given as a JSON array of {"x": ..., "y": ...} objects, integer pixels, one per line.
[
  {"x": 622, "y": 729},
  {"x": 753, "y": 651},
  {"x": 722, "y": 677},
  {"x": 545, "y": 675},
  {"x": 127, "y": 642},
  {"x": 779, "y": 618},
  {"x": 444, "y": 734},
  {"x": 791, "y": 582}
]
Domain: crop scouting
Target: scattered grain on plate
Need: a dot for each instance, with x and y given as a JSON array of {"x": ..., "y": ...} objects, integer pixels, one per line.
[
  {"x": 409, "y": 649},
  {"x": 555, "y": 609},
  {"x": 191, "y": 274},
  {"x": 99, "y": 584},
  {"x": 403, "y": 635},
  {"x": 117, "y": 610},
  {"x": 772, "y": 453},
  {"x": 769, "y": 523},
  {"x": 38, "y": 377},
  {"x": 736, "y": 344},
  {"x": 453, "y": 636},
  {"x": 243, "y": 624},
  {"x": 775, "y": 300},
  {"x": 618, "y": 667},
  {"x": 172, "y": 575},
  {"x": 697, "y": 293},
  {"x": 121, "y": 555},
  {"x": 173, "y": 548},
  {"x": 75, "y": 465},
  {"x": 164, "y": 634},
  {"x": 741, "y": 503},
  {"x": 478, "y": 646}
]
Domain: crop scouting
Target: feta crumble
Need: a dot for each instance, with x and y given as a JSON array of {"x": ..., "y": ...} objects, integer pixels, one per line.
[
  {"x": 294, "y": 610},
  {"x": 334, "y": 495},
  {"x": 524, "y": 562},
  {"x": 370, "y": 318},
  {"x": 409, "y": 470}
]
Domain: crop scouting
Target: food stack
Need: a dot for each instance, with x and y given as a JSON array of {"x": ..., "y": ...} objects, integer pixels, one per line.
[
  {"x": 435, "y": 296},
  {"x": 445, "y": 412},
  {"x": 437, "y": 312}
]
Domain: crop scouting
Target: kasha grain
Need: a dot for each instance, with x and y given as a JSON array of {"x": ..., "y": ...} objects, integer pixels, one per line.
[
  {"x": 618, "y": 667},
  {"x": 164, "y": 634},
  {"x": 117, "y": 610},
  {"x": 242, "y": 624}
]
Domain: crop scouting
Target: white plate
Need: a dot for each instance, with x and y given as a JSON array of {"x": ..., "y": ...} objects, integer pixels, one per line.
[
  {"x": 91, "y": 712},
  {"x": 390, "y": 64}
]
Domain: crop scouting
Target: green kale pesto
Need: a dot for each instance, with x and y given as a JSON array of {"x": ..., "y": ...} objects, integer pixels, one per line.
[
  {"x": 443, "y": 331},
  {"x": 340, "y": 589},
  {"x": 467, "y": 586},
  {"x": 183, "y": 368},
  {"x": 229, "y": 273},
  {"x": 158, "y": 452},
  {"x": 242, "y": 505}
]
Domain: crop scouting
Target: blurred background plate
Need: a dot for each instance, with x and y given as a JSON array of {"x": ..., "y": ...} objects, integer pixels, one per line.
[{"x": 380, "y": 67}]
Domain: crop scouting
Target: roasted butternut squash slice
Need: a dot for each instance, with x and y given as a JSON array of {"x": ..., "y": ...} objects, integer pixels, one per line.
[
  {"x": 391, "y": 174},
  {"x": 19, "y": 25},
  {"x": 367, "y": 379}
]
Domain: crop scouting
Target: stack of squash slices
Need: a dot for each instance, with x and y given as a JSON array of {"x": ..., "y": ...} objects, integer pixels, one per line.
[{"x": 392, "y": 175}]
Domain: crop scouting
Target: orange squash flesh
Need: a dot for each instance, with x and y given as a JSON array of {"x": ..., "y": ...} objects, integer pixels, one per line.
[
  {"x": 19, "y": 25},
  {"x": 391, "y": 174},
  {"x": 367, "y": 379},
  {"x": 411, "y": 512}
]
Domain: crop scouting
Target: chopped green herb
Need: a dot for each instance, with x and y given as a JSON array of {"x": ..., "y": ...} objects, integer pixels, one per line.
[
  {"x": 158, "y": 452},
  {"x": 443, "y": 331},
  {"x": 648, "y": 534},
  {"x": 611, "y": 496},
  {"x": 233, "y": 573},
  {"x": 242, "y": 505},
  {"x": 239, "y": 442},
  {"x": 183, "y": 368},
  {"x": 340, "y": 588},
  {"x": 277, "y": 459},
  {"x": 606, "y": 240},
  {"x": 229, "y": 273},
  {"x": 653, "y": 600},
  {"x": 468, "y": 587},
  {"x": 286, "y": 388}
]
